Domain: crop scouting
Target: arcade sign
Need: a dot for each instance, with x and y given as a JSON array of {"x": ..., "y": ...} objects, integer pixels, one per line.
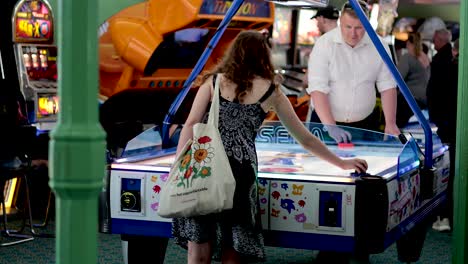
[
  {"x": 250, "y": 8},
  {"x": 301, "y": 3},
  {"x": 33, "y": 22}
]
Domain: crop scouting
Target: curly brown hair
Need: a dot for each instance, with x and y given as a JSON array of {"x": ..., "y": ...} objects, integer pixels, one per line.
[{"x": 248, "y": 57}]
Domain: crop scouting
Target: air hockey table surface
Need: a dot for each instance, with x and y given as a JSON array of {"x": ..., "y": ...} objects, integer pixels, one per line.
[{"x": 305, "y": 202}]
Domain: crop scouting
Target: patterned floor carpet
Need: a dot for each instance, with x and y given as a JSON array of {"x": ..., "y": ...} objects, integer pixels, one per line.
[{"x": 437, "y": 250}]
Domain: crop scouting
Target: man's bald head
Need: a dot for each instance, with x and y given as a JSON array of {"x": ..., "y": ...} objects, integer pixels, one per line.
[{"x": 441, "y": 38}]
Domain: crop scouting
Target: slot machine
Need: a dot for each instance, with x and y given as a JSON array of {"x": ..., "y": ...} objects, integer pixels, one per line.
[{"x": 36, "y": 60}]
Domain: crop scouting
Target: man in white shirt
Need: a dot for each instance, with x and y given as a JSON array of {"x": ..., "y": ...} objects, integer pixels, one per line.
[{"x": 344, "y": 69}]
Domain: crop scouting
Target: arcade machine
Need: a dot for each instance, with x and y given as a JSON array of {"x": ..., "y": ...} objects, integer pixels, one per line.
[
  {"x": 9, "y": 90},
  {"x": 36, "y": 60},
  {"x": 36, "y": 63},
  {"x": 305, "y": 202}
]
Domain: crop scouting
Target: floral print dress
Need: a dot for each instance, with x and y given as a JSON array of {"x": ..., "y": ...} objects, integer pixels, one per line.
[{"x": 240, "y": 227}]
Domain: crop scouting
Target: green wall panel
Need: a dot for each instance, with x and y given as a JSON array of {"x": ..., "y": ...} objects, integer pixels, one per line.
[
  {"x": 446, "y": 12},
  {"x": 106, "y": 7}
]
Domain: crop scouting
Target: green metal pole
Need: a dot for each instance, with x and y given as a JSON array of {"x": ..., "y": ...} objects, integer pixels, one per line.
[
  {"x": 460, "y": 251},
  {"x": 77, "y": 147}
]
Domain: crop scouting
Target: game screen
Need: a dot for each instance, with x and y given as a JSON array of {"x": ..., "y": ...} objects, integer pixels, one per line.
[
  {"x": 282, "y": 26},
  {"x": 40, "y": 62},
  {"x": 33, "y": 22},
  {"x": 181, "y": 49},
  {"x": 47, "y": 105}
]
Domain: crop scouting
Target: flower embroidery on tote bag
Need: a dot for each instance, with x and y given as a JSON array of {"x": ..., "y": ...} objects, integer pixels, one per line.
[{"x": 196, "y": 166}]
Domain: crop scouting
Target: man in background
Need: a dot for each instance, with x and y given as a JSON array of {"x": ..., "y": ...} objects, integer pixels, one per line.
[
  {"x": 327, "y": 18},
  {"x": 344, "y": 69},
  {"x": 442, "y": 105},
  {"x": 438, "y": 82}
]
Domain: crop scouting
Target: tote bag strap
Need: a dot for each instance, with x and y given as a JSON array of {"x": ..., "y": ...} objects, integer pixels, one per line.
[{"x": 214, "y": 109}]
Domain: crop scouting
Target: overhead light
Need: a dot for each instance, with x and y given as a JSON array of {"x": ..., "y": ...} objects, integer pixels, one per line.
[{"x": 302, "y": 3}]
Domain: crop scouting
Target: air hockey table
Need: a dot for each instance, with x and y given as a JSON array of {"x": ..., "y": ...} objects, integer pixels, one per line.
[{"x": 306, "y": 202}]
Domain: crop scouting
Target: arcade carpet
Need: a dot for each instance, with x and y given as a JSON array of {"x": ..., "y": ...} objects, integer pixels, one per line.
[{"x": 437, "y": 250}]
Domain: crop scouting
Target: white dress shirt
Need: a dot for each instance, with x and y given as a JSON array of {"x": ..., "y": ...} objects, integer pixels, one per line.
[{"x": 348, "y": 75}]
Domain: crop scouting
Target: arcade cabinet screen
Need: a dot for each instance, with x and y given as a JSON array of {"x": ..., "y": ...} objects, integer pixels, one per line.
[
  {"x": 47, "y": 105},
  {"x": 180, "y": 50},
  {"x": 281, "y": 35},
  {"x": 40, "y": 62},
  {"x": 282, "y": 26}
]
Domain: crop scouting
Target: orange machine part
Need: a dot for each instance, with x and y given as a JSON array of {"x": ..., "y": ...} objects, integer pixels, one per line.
[
  {"x": 170, "y": 15},
  {"x": 129, "y": 38},
  {"x": 136, "y": 38}
]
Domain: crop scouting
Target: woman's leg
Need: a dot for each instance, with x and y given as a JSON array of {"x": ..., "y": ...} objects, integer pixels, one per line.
[
  {"x": 199, "y": 253},
  {"x": 230, "y": 256}
]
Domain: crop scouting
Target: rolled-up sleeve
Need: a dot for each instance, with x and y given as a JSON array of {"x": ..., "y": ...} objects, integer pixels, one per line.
[
  {"x": 318, "y": 67},
  {"x": 385, "y": 78}
]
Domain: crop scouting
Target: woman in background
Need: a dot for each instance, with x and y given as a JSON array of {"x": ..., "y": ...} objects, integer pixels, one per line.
[{"x": 414, "y": 67}]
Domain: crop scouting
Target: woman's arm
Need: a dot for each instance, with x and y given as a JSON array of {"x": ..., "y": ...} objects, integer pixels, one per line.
[
  {"x": 197, "y": 112},
  {"x": 281, "y": 105}
]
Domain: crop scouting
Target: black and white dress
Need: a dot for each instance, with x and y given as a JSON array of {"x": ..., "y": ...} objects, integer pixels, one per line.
[{"x": 240, "y": 227}]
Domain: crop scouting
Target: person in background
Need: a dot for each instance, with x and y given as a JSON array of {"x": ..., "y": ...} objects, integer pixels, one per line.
[
  {"x": 248, "y": 90},
  {"x": 440, "y": 74},
  {"x": 327, "y": 18},
  {"x": 344, "y": 69},
  {"x": 447, "y": 130},
  {"x": 415, "y": 68}
]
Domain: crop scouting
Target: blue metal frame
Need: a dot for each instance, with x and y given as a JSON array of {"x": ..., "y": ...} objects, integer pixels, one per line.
[{"x": 401, "y": 83}]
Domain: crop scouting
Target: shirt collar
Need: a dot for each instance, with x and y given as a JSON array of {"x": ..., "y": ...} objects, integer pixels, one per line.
[{"x": 338, "y": 38}]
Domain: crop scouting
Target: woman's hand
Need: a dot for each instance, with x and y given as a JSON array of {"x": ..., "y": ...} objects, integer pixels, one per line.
[{"x": 359, "y": 165}]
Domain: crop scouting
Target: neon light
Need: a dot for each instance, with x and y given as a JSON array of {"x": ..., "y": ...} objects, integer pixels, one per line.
[{"x": 1, "y": 66}]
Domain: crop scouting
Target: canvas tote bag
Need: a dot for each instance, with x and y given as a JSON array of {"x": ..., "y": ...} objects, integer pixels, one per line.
[{"x": 200, "y": 181}]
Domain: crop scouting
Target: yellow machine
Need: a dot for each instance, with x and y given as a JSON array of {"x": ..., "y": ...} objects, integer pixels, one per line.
[{"x": 156, "y": 44}]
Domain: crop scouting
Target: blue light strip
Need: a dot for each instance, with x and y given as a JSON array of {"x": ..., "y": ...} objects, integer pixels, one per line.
[
  {"x": 197, "y": 69},
  {"x": 401, "y": 83}
]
